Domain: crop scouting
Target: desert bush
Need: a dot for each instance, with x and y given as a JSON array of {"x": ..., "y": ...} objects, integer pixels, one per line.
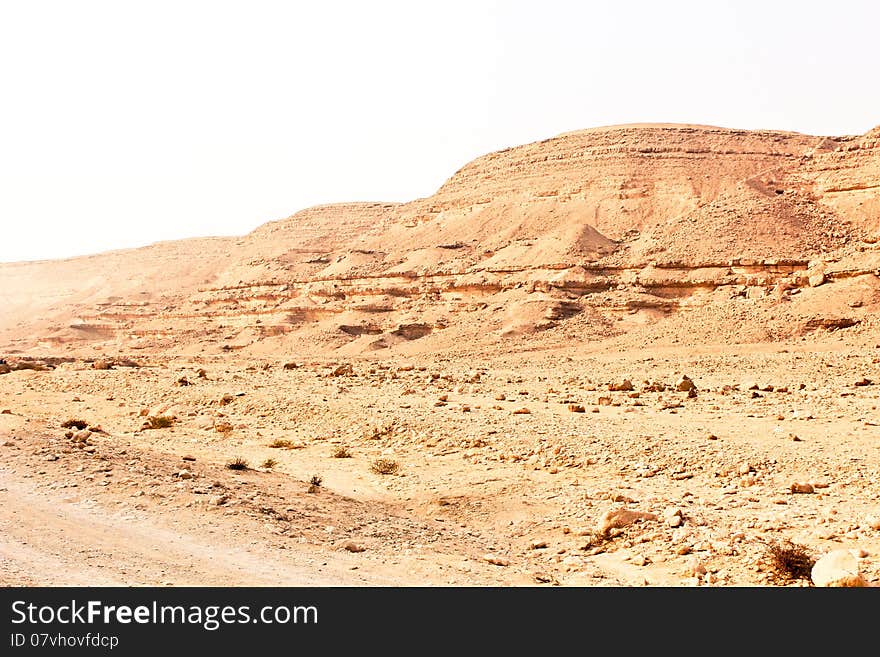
[
  {"x": 238, "y": 463},
  {"x": 384, "y": 466},
  {"x": 341, "y": 452},
  {"x": 268, "y": 464},
  {"x": 282, "y": 443},
  {"x": 789, "y": 561},
  {"x": 315, "y": 483}
]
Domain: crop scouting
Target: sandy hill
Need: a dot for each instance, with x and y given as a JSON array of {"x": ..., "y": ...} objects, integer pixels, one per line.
[{"x": 634, "y": 233}]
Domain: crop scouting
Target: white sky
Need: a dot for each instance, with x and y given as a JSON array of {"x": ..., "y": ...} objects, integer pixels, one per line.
[{"x": 125, "y": 123}]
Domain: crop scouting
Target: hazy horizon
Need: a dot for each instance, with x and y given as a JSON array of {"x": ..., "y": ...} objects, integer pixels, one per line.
[{"x": 130, "y": 126}]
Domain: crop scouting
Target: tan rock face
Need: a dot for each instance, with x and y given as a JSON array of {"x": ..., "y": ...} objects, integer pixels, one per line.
[
  {"x": 839, "y": 568},
  {"x": 588, "y": 235}
]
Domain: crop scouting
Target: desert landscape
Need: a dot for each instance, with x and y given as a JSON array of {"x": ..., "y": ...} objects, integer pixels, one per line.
[{"x": 637, "y": 355}]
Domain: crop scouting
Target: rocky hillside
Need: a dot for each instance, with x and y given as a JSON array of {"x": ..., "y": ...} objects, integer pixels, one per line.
[{"x": 633, "y": 233}]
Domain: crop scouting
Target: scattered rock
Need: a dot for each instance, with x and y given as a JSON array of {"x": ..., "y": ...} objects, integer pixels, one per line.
[
  {"x": 620, "y": 518},
  {"x": 696, "y": 568},
  {"x": 802, "y": 488},
  {"x": 351, "y": 546},
  {"x": 624, "y": 386},
  {"x": 863, "y": 382},
  {"x": 101, "y": 365},
  {"x": 838, "y": 568},
  {"x": 685, "y": 384},
  {"x": 81, "y": 436},
  {"x": 537, "y": 545},
  {"x": 522, "y": 411},
  {"x": 343, "y": 370},
  {"x": 496, "y": 560},
  {"x": 184, "y": 474},
  {"x": 576, "y": 408}
]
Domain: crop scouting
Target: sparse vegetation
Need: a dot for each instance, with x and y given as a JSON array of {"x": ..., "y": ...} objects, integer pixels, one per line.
[
  {"x": 376, "y": 432},
  {"x": 341, "y": 452},
  {"x": 269, "y": 463},
  {"x": 789, "y": 561},
  {"x": 315, "y": 483},
  {"x": 238, "y": 463},
  {"x": 159, "y": 422},
  {"x": 282, "y": 443},
  {"x": 384, "y": 466},
  {"x": 75, "y": 424},
  {"x": 596, "y": 539}
]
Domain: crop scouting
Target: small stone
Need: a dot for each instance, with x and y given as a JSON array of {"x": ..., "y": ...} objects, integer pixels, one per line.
[
  {"x": 187, "y": 457},
  {"x": 604, "y": 401},
  {"x": 624, "y": 386},
  {"x": 674, "y": 521},
  {"x": 683, "y": 550},
  {"x": 184, "y": 474},
  {"x": 619, "y": 518},
  {"x": 802, "y": 488},
  {"x": 576, "y": 408},
  {"x": 522, "y": 411},
  {"x": 745, "y": 468},
  {"x": 219, "y": 500},
  {"x": 639, "y": 560},
  {"x": 81, "y": 436},
  {"x": 351, "y": 546},
  {"x": 794, "y": 438},
  {"x": 696, "y": 568},
  {"x": 712, "y": 436},
  {"x": 837, "y": 568},
  {"x": 496, "y": 560},
  {"x": 863, "y": 553},
  {"x": 816, "y": 278},
  {"x": 874, "y": 523},
  {"x": 685, "y": 384},
  {"x": 52, "y": 457},
  {"x": 537, "y": 545}
]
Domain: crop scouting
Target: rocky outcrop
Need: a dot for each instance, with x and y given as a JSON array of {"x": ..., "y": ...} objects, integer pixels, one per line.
[{"x": 626, "y": 226}]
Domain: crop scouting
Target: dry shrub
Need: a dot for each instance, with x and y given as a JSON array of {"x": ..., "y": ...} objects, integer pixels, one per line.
[
  {"x": 237, "y": 463},
  {"x": 268, "y": 464},
  {"x": 789, "y": 561},
  {"x": 282, "y": 443},
  {"x": 384, "y": 466},
  {"x": 341, "y": 452}
]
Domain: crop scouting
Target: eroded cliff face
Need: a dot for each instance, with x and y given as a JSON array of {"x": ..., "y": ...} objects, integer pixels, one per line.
[{"x": 641, "y": 230}]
